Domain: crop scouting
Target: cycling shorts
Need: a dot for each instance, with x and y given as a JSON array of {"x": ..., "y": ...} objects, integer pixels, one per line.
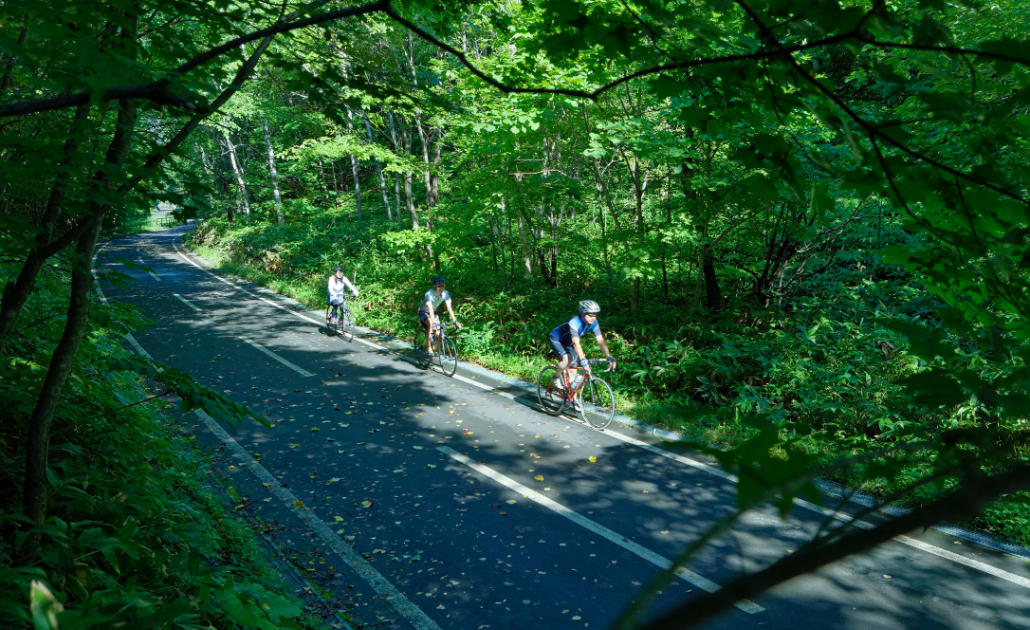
[
  {"x": 558, "y": 350},
  {"x": 424, "y": 317}
]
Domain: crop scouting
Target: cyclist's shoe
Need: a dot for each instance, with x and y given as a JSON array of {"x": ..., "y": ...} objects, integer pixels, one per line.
[
  {"x": 577, "y": 405},
  {"x": 557, "y": 384},
  {"x": 430, "y": 353},
  {"x": 333, "y": 321}
]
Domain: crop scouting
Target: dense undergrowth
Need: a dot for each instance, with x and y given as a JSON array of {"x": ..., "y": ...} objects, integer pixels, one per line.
[
  {"x": 133, "y": 536},
  {"x": 821, "y": 362}
]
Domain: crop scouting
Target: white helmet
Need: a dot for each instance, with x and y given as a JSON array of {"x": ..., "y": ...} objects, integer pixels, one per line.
[{"x": 587, "y": 307}]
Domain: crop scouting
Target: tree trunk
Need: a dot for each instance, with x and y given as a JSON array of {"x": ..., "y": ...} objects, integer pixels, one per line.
[
  {"x": 713, "y": 296},
  {"x": 275, "y": 175},
  {"x": 8, "y": 80},
  {"x": 405, "y": 134},
  {"x": 35, "y": 490},
  {"x": 239, "y": 177},
  {"x": 379, "y": 170},
  {"x": 17, "y": 292},
  {"x": 210, "y": 173},
  {"x": 354, "y": 164}
]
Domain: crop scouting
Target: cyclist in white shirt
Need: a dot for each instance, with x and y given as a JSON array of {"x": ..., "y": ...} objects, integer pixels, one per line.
[
  {"x": 428, "y": 316},
  {"x": 335, "y": 296}
]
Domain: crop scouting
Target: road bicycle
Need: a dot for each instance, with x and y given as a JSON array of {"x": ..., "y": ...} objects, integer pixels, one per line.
[
  {"x": 344, "y": 324},
  {"x": 597, "y": 407},
  {"x": 444, "y": 350}
]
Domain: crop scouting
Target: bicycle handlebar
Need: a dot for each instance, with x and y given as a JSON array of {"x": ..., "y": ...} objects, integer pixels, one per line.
[{"x": 587, "y": 362}]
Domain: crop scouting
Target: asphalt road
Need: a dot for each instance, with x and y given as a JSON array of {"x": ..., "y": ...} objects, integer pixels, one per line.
[{"x": 452, "y": 504}]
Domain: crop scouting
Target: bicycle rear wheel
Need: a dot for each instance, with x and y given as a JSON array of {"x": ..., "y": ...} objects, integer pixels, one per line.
[
  {"x": 419, "y": 348},
  {"x": 551, "y": 398},
  {"x": 598, "y": 403},
  {"x": 448, "y": 354},
  {"x": 347, "y": 323}
]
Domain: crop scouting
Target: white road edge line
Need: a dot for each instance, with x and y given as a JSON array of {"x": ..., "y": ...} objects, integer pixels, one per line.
[
  {"x": 905, "y": 540},
  {"x": 643, "y": 552},
  {"x": 187, "y": 302},
  {"x": 384, "y": 587},
  {"x": 296, "y": 368}
]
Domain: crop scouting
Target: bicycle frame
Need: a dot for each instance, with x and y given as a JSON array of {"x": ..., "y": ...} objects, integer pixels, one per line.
[{"x": 587, "y": 377}]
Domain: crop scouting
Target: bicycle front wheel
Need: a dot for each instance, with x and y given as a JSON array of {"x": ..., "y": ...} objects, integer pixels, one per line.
[
  {"x": 448, "y": 356},
  {"x": 550, "y": 397},
  {"x": 347, "y": 323},
  {"x": 598, "y": 403},
  {"x": 419, "y": 348}
]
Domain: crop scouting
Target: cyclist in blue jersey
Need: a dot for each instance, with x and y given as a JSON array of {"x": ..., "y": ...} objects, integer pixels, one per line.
[
  {"x": 565, "y": 341},
  {"x": 428, "y": 315},
  {"x": 335, "y": 291}
]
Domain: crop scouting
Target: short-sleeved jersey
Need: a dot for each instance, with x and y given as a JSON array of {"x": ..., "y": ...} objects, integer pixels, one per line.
[
  {"x": 336, "y": 286},
  {"x": 436, "y": 300},
  {"x": 574, "y": 328}
]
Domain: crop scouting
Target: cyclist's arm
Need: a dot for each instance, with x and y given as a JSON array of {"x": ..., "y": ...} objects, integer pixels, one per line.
[
  {"x": 604, "y": 347},
  {"x": 450, "y": 311},
  {"x": 350, "y": 286},
  {"x": 579, "y": 349}
]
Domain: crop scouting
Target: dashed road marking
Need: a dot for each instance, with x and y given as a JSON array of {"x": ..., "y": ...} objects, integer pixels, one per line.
[
  {"x": 296, "y": 368},
  {"x": 656, "y": 559},
  {"x": 187, "y": 302}
]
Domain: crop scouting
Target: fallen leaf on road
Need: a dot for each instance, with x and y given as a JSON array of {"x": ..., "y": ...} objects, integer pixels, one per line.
[
  {"x": 539, "y": 477},
  {"x": 510, "y": 501},
  {"x": 337, "y": 518},
  {"x": 592, "y": 459},
  {"x": 298, "y": 504},
  {"x": 313, "y": 429},
  {"x": 366, "y": 503}
]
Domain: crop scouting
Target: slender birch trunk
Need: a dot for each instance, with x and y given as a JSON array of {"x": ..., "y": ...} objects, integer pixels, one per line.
[
  {"x": 239, "y": 177},
  {"x": 379, "y": 170},
  {"x": 354, "y": 163},
  {"x": 210, "y": 173},
  {"x": 275, "y": 175}
]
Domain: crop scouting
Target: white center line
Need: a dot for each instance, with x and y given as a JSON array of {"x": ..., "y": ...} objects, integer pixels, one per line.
[
  {"x": 643, "y": 552},
  {"x": 294, "y": 367},
  {"x": 187, "y": 302}
]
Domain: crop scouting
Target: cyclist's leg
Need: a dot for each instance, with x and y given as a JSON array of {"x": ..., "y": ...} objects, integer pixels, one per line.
[
  {"x": 437, "y": 332},
  {"x": 423, "y": 319},
  {"x": 562, "y": 354},
  {"x": 335, "y": 303}
]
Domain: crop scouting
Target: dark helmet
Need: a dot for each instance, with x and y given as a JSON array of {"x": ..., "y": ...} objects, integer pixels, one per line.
[
  {"x": 438, "y": 281},
  {"x": 337, "y": 268}
]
